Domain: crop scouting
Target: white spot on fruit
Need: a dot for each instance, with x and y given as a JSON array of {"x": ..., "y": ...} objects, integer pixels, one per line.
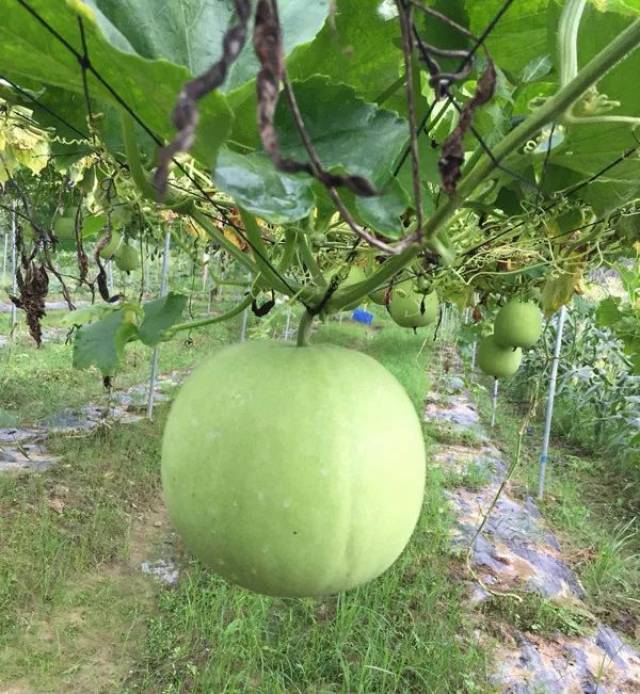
[
  {"x": 324, "y": 472},
  {"x": 261, "y": 495},
  {"x": 220, "y": 561},
  {"x": 286, "y": 503},
  {"x": 254, "y": 572}
]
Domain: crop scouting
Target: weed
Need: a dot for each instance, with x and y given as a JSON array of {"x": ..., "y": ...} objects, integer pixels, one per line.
[{"x": 536, "y": 614}]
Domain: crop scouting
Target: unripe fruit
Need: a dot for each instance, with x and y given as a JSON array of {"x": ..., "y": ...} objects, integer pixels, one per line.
[
  {"x": 518, "y": 324},
  {"x": 293, "y": 471},
  {"x": 112, "y": 246},
  {"x": 497, "y": 361},
  {"x": 65, "y": 228},
  {"x": 127, "y": 258},
  {"x": 411, "y": 309}
]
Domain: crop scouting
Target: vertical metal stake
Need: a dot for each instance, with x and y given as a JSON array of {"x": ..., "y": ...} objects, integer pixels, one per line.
[
  {"x": 5, "y": 253},
  {"x": 550, "y": 400},
  {"x": 245, "y": 320},
  {"x": 494, "y": 402},
  {"x": 286, "y": 327},
  {"x": 164, "y": 286},
  {"x": 14, "y": 280}
]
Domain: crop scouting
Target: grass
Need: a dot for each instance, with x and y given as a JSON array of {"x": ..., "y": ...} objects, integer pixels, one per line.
[
  {"x": 538, "y": 615},
  {"x": 65, "y": 537},
  {"x": 36, "y": 383},
  {"x": 452, "y": 435},
  {"x": 475, "y": 476},
  {"x": 77, "y": 613},
  {"x": 587, "y": 507}
]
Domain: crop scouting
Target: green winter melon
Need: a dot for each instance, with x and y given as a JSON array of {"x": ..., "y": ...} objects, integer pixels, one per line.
[
  {"x": 126, "y": 258},
  {"x": 411, "y": 309},
  {"x": 112, "y": 246},
  {"x": 518, "y": 324},
  {"x": 293, "y": 471},
  {"x": 65, "y": 228},
  {"x": 497, "y": 361}
]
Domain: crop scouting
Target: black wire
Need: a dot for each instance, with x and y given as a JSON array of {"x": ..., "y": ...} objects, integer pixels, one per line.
[
  {"x": 44, "y": 107},
  {"x": 618, "y": 160},
  {"x": 479, "y": 43},
  {"x": 84, "y": 65}
]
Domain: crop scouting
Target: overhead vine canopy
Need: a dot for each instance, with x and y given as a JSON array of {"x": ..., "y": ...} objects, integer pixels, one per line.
[{"x": 487, "y": 147}]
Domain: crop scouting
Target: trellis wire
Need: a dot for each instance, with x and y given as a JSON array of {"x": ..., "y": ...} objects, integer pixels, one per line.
[
  {"x": 164, "y": 288},
  {"x": 550, "y": 402}
]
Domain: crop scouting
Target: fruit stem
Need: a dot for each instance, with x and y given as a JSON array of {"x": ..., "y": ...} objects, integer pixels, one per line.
[{"x": 304, "y": 329}]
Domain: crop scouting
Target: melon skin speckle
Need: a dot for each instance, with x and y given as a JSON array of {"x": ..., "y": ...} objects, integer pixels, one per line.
[
  {"x": 518, "y": 324},
  {"x": 314, "y": 481}
]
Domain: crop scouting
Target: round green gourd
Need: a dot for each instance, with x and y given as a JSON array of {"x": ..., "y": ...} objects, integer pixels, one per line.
[
  {"x": 112, "y": 247},
  {"x": 65, "y": 228},
  {"x": 518, "y": 324},
  {"x": 497, "y": 361},
  {"x": 126, "y": 258},
  {"x": 405, "y": 306},
  {"x": 293, "y": 471}
]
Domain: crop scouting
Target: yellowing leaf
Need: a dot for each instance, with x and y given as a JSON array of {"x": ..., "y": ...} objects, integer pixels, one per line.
[{"x": 558, "y": 291}]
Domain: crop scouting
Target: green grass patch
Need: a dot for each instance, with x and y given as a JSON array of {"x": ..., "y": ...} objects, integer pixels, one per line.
[
  {"x": 68, "y": 600},
  {"x": 448, "y": 434},
  {"x": 538, "y": 615}
]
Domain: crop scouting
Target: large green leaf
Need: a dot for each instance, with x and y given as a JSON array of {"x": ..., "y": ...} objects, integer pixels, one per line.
[
  {"x": 353, "y": 47},
  {"x": 256, "y": 185},
  {"x": 342, "y": 127},
  {"x": 521, "y": 34},
  {"x": 356, "y": 48},
  {"x": 384, "y": 213},
  {"x": 149, "y": 87},
  {"x": 159, "y": 316},
  {"x": 348, "y": 133},
  {"x": 102, "y": 343},
  {"x": 190, "y": 32}
]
